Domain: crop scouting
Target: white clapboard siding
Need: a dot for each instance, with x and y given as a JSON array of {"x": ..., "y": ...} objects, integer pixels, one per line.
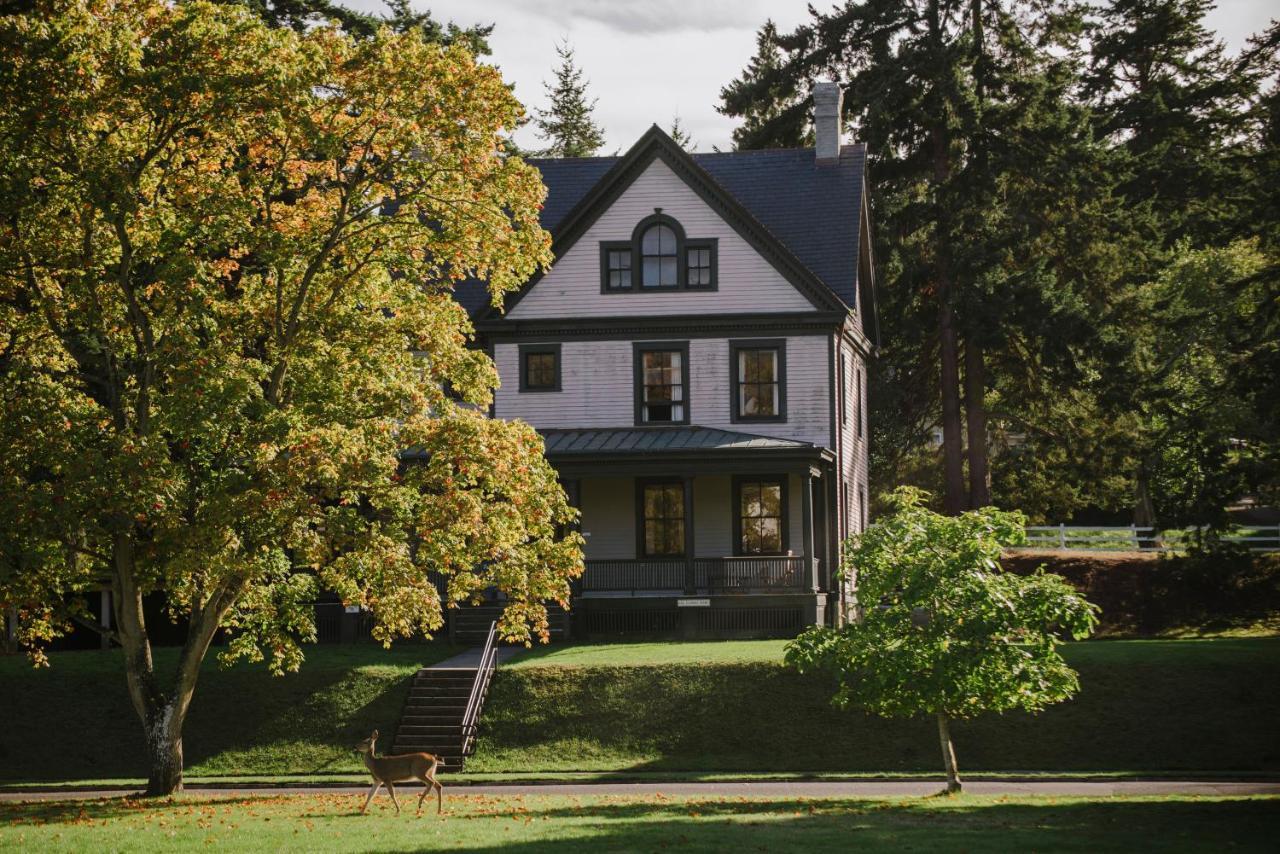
[
  {"x": 712, "y": 516},
  {"x": 747, "y": 282},
  {"x": 853, "y": 449},
  {"x": 597, "y": 381},
  {"x": 608, "y": 517}
]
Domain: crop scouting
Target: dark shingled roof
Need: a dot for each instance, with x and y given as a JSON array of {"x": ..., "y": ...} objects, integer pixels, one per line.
[
  {"x": 813, "y": 210},
  {"x": 623, "y": 440}
]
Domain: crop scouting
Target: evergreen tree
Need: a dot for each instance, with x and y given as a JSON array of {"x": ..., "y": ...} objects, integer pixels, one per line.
[
  {"x": 965, "y": 108},
  {"x": 680, "y": 136},
  {"x": 770, "y": 103},
  {"x": 1184, "y": 113},
  {"x": 567, "y": 124}
]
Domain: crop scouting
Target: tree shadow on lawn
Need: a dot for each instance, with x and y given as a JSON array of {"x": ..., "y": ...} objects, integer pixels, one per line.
[
  {"x": 716, "y": 824},
  {"x": 242, "y": 721}
]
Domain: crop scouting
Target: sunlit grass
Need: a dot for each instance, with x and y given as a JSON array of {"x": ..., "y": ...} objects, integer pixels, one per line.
[{"x": 332, "y": 822}]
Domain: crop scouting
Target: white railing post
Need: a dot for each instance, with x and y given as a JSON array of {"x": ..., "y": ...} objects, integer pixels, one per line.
[{"x": 1062, "y": 535}]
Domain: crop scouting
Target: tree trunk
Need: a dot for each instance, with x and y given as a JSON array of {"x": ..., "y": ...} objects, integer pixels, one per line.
[
  {"x": 1144, "y": 510},
  {"x": 948, "y": 755},
  {"x": 953, "y": 493},
  {"x": 975, "y": 389},
  {"x": 164, "y": 751}
]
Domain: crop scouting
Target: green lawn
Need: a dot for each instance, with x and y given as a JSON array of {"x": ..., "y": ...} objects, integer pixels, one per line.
[
  {"x": 659, "y": 652},
  {"x": 602, "y": 823},
  {"x": 1145, "y": 706}
]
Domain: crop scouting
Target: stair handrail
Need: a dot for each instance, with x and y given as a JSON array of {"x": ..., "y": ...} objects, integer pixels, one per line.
[{"x": 480, "y": 687}]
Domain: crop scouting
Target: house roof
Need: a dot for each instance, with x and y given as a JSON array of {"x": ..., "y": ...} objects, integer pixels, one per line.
[
  {"x": 648, "y": 440},
  {"x": 812, "y": 211}
]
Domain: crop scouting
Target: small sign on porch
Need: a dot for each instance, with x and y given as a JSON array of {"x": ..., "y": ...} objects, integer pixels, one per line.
[
  {"x": 352, "y": 609},
  {"x": 693, "y": 603}
]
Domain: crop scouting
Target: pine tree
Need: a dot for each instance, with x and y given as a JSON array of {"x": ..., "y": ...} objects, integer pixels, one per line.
[
  {"x": 680, "y": 136},
  {"x": 567, "y": 124},
  {"x": 975, "y": 151},
  {"x": 1167, "y": 94}
]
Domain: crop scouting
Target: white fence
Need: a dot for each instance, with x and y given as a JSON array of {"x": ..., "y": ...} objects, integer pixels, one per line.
[{"x": 1133, "y": 538}]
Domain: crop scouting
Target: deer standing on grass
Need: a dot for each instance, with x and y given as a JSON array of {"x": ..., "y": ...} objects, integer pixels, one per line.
[{"x": 388, "y": 770}]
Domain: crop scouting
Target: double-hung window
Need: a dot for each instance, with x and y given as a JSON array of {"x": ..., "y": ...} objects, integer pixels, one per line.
[
  {"x": 616, "y": 262},
  {"x": 662, "y": 383},
  {"x": 659, "y": 261},
  {"x": 758, "y": 376},
  {"x": 761, "y": 515},
  {"x": 661, "y": 518}
]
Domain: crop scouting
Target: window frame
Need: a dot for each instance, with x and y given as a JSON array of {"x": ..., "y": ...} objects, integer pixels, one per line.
[
  {"x": 643, "y": 483},
  {"x": 711, "y": 244},
  {"x": 735, "y": 387},
  {"x": 859, "y": 402},
  {"x": 683, "y": 245},
  {"x": 638, "y": 349},
  {"x": 526, "y": 350},
  {"x": 607, "y": 247},
  {"x": 782, "y": 480}
]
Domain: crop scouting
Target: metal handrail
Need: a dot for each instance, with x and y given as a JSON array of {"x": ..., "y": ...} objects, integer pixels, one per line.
[{"x": 484, "y": 672}]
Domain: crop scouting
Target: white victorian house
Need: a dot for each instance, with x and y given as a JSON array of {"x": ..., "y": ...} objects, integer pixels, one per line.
[{"x": 696, "y": 362}]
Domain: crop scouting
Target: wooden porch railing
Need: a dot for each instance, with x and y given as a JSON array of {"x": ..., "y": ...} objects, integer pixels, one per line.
[{"x": 782, "y": 573}]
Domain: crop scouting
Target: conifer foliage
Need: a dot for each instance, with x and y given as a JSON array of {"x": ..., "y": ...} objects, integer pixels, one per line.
[{"x": 567, "y": 124}]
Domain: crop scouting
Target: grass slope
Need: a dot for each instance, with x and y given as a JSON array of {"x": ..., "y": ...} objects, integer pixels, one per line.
[
  {"x": 1153, "y": 706},
  {"x": 74, "y": 720},
  {"x": 701, "y": 708},
  {"x": 601, "y": 824}
]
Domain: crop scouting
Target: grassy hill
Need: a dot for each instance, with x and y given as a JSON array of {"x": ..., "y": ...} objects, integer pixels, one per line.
[{"x": 1146, "y": 706}]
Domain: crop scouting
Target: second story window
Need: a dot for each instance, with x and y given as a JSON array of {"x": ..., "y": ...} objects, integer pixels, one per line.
[
  {"x": 758, "y": 375},
  {"x": 662, "y": 383},
  {"x": 700, "y": 269},
  {"x": 539, "y": 367}
]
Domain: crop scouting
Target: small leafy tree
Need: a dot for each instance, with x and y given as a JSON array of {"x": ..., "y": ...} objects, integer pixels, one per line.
[
  {"x": 567, "y": 124},
  {"x": 942, "y": 630},
  {"x": 226, "y": 256}
]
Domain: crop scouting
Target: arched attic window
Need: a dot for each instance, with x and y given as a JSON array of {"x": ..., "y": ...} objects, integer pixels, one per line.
[{"x": 657, "y": 257}]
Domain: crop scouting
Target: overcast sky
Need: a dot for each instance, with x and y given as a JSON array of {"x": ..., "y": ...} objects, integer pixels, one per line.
[{"x": 650, "y": 60}]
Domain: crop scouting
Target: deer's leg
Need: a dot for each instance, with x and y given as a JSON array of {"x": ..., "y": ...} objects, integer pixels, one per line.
[
  {"x": 392, "y": 790},
  {"x": 376, "y": 785},
  {"x": 439, "y": 787}
]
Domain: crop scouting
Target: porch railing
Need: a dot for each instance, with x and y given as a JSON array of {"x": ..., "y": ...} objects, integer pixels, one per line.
[
  {"x": 709, "y": 575},
  {"x": 636, "y": 575}
]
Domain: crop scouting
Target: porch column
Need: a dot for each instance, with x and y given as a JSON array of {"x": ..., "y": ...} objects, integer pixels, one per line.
[
  {"x": 690, "y": 582},
  {"x": 806, "y": 531}
]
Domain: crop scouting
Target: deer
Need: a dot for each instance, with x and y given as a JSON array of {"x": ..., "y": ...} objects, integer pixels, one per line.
[{"x": 388, "y": 770}]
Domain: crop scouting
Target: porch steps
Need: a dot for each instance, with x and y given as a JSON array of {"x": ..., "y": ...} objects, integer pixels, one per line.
[{"x": 432, "y": 718}]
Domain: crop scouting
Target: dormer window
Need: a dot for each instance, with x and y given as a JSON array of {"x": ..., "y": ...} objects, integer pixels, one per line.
[{"x": 657, "y": 257}]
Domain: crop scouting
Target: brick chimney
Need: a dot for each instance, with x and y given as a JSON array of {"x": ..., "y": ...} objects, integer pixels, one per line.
[{"x": 828, "y": 98}]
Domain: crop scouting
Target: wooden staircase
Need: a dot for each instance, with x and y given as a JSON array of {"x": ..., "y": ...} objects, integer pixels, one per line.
[
  {"x": 433, "y": 715},
  {"x": 442, "y": 712}
]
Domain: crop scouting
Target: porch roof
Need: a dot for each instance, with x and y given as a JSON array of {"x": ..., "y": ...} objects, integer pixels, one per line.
[{"x": 634, "y": 450}]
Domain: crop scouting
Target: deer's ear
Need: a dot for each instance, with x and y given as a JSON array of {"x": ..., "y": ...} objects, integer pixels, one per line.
[{"x": 375, "y": 734}]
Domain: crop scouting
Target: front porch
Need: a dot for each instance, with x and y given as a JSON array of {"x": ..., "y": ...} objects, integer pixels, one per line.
[{"x": 697, "y": 532}]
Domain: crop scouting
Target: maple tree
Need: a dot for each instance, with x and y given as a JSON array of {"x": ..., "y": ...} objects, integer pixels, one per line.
[{"x": 226, "y": 261}]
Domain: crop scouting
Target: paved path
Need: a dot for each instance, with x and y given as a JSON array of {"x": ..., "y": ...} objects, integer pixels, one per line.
[
  {"x": 795, "y": 789},
  {"x": 471, "y": 658}
]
